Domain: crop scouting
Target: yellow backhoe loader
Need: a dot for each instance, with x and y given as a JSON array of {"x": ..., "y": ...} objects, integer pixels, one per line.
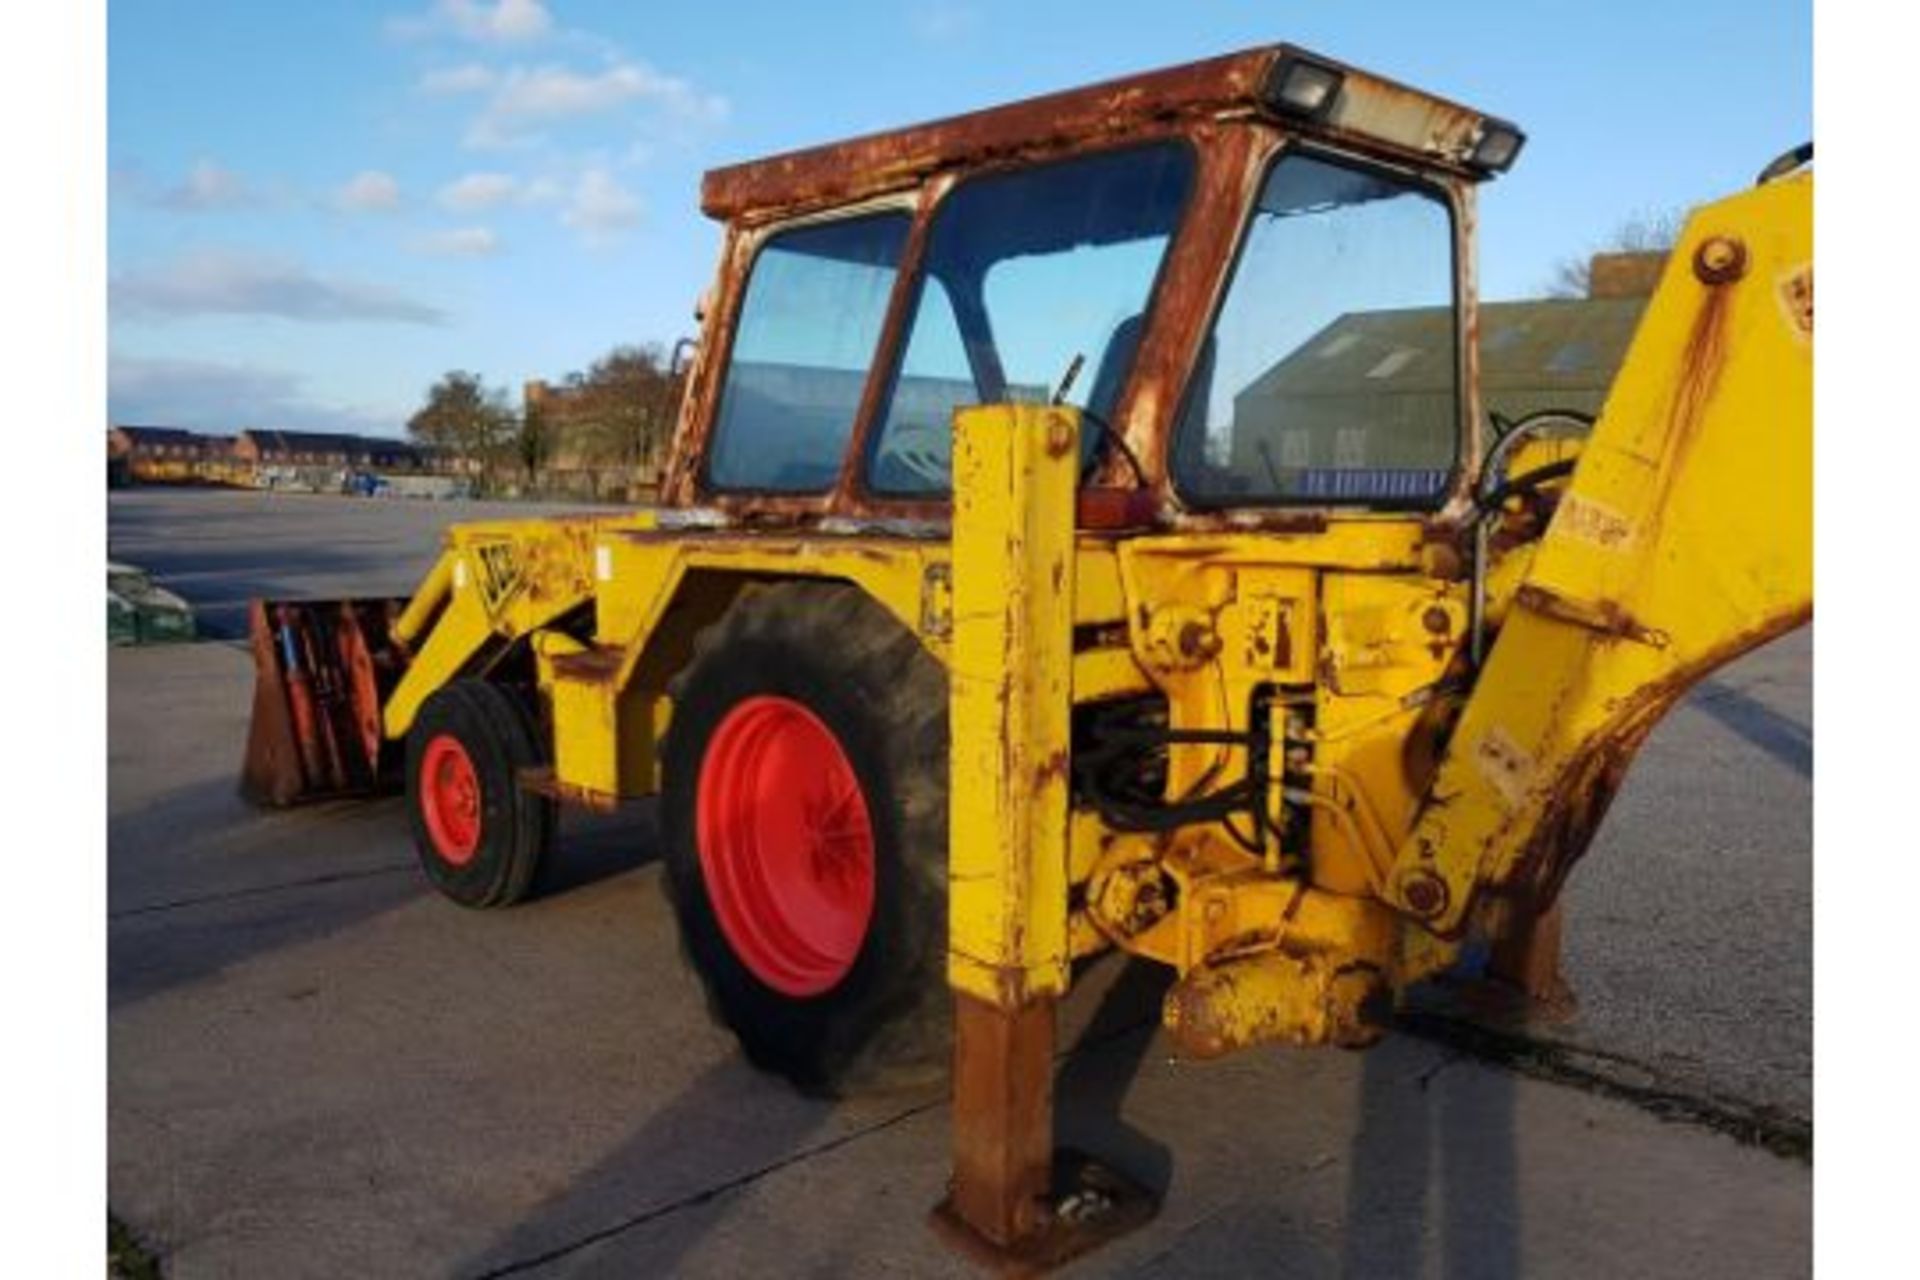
[{"x": 1084, "y": 531}]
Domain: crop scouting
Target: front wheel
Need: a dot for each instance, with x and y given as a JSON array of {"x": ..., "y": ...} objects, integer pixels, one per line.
[
  {"x": 804, "y": 819},
  {"x": 480, "y": 835}
]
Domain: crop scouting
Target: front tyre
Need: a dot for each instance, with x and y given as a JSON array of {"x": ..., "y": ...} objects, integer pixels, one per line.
[{"x": 479, "y": 834}]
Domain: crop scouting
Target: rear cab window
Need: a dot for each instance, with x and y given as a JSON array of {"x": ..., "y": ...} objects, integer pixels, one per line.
[
  {"x": 1330, "y": 374},
  {"x": 815, "y": 304}
]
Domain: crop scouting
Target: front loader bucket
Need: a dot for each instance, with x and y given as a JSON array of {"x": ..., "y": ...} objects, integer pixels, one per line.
[{"x": 323, "y": 669}]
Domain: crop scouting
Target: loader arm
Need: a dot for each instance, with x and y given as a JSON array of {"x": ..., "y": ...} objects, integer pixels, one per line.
[
  {"x": 496, "y": 583},
  {"x": 338, "y": 682},
  {"x": 1684, "y": 539}
]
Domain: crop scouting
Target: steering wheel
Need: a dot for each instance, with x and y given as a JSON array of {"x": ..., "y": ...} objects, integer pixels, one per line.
[
  {"x": 923, "y": 450},
  {"x": 1495, "y": 486}
]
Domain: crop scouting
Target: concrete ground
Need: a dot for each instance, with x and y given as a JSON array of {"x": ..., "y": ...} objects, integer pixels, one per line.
[
  {"x": 222, "y": 547},
  {"x": 318, "y": 1067}
]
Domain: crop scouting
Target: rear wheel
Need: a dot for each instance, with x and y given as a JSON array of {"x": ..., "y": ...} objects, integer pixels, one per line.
[
  {"x": 804, "y": 817},
  {"x": 479, "y": 834},
  {"x": 785, "y": 844}
]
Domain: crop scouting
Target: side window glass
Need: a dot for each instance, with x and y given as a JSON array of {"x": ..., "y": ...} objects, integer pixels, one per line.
[
  {"x": 808, "y": 327},
  {"x": 1330, "y": 372},
  {"x": 1025, "y": 272}
]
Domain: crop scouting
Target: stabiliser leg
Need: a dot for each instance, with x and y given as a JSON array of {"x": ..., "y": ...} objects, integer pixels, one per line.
[
  {"x": 1002, "y": 1119},
  {"x": 1012, "y": 1203}
]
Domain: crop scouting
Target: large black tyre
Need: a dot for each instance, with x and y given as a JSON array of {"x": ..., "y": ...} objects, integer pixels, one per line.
[
  {"x": 480, "y": 835},
  {"x": 882, "y": 1017}
]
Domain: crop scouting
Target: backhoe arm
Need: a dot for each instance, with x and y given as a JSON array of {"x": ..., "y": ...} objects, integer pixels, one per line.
[{"x": 1685, "y": 539}]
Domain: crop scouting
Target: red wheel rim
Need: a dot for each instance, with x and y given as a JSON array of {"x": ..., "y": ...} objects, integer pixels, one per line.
[
  {"x": 450, "y": 799},
  {"x": 786, "y": 845}
]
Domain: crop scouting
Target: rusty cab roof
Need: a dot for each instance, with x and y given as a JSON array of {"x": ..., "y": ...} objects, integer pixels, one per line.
[{"x": 1368, "y": 113}]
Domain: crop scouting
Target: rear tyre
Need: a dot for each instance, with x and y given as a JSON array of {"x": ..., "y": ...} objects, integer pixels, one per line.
[
  {"x": 804, "y": 819},
  {"x": 479, "y": 834}
]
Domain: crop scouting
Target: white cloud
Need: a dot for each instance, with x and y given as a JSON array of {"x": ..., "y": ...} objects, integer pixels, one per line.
[
  {"x": 527, "y": 96},
  {"x": 507, "y": 20},
  {"x": 207, "y": 188},
  {"x": 459, "y": 242},
  {"x": 547, "y": 92},
  {"x": 369, "y": 191},
  {"x": 944, "y": 21},
  {"x": 468, "y": 78},
  {"x": 601, "y": 208},
  {"x": 501, "y": 22},
  {"x": 213, "y": 282},
  {"x": 224, "y": 397},
  {"x": 478, "y": 191}
]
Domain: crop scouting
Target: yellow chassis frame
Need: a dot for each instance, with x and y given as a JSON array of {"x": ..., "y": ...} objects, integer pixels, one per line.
[
  {"x": 1442, "y": 799},
  {"x": 1439, "y": 800}
]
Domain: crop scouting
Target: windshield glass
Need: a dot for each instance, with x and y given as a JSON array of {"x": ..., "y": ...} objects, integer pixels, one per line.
[
  {"x": 1330, "y": 372},
  {"x": 1024, "y": 272}
]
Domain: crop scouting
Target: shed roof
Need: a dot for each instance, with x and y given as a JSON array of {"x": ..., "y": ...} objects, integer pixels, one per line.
[{"x": 1570, "y": 346}]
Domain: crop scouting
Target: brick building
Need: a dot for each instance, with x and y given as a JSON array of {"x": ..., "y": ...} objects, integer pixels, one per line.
[
  {"x": 165, "y": 455},
  {"x": 262, "y": 447}
]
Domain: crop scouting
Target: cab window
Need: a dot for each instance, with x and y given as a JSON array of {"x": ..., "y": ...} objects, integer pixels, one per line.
[
  {"x": 1330, "y": 373},
  {"x": 815, "y": 303},
  {"x": 1027, "y": 272}
]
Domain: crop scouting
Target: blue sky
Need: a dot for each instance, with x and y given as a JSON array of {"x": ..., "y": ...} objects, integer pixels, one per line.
[{"x": 317, "y": 209}]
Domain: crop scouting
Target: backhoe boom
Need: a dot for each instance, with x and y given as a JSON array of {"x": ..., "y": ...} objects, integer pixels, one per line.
[{"x": 1685, "y": 539}]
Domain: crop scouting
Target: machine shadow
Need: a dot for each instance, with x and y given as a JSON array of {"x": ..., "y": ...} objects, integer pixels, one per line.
[
  {"x": 1094, "y": 1077},
  {"x": 154, "y": 945},
  {"x": 176, "y": 920},
  {"x": 1780, "y": 736},
  {"x": 645, "y": 1207},
  {"x": 1432, "y": 1181}
]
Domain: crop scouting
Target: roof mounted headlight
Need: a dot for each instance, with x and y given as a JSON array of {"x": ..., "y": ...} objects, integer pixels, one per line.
[
  {"x": 1497, "y": 147},
  {"x": 1301, "y": 87}
]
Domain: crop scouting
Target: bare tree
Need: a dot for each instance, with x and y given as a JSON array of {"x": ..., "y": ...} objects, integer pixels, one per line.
[
  {"x": 533, "y": 440},
  {"x": 465, "y": 418},
  {"x": 1642, "y": 233},
  {"x": 628, "y": 401}
]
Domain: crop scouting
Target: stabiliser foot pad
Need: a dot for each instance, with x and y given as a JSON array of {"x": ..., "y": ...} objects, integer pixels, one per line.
[{"x": 1090, "y": 1205}]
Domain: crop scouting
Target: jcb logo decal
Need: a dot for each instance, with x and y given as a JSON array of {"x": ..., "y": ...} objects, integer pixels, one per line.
[{"x": 499, "y": 572}]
